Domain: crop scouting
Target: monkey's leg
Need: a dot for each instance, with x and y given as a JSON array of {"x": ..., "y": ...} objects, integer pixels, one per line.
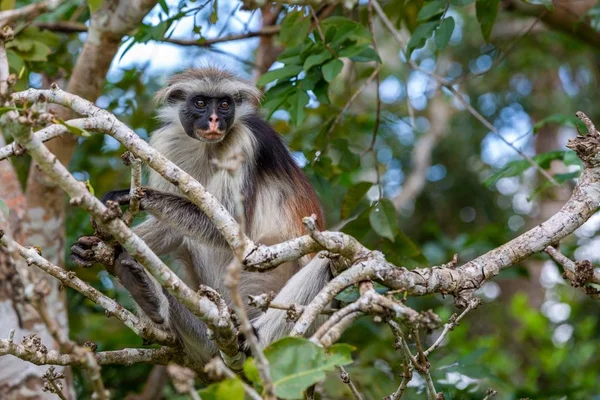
[
  {"x": 144, "y": 289},
  {"x": 301, "y": 289},
  {"x": 162, "y": 308}
]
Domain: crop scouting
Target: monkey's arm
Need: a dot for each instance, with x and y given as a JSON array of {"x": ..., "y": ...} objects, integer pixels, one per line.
[{"x": 177, "y": 212}]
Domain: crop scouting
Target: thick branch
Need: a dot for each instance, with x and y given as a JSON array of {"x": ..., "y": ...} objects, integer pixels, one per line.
[
  {"x": 566, "y": 17},
  {"x": 76, "y": 27},
  {"x": 48, "y": 133},
  {"x": 28, "y": 12},
  {"x": 69, "y": 279},
  {"x": 43, "y": 356},
  {"x": 470, "y": 276}
]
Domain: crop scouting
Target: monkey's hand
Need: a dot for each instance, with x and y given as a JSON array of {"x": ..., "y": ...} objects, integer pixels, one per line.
[
  {"x": 91, "y": 249},
  {"x": 121, "y": 197}
]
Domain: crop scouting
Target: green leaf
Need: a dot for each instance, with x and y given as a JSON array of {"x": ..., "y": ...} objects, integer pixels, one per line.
[
  {"x": 559, "y": 178},
  {"x": 486, "y": 11},
  {"x": 298, "y": 363},
  {"x": 229, "y": 389},
  {"x": 286, "y": 72},
  {"x": 164, "y": 6},
  {"x": 294, "y": 28},
  {"x": 4, "y": 110},
  {"x": 544, "y": 159},
  {"x": 383, "y": 219},
  {"x": 513, "y": 168},
  {"x": 15, "y": 61},
  {"x": 297, "y": 113},
  {"x": 94, "y": 5},
  {"x": 22, "y": 44},
  {"x": 312, "y": 77},
  {"x": 291, "y": 55},
  {"x": 571, "y": 158},
  {"x": 74, "y": 129},
  {"x": 7, "y": 5},
  {"x": 89, "y": 187},
  {"x": 338, "y": 30},
  {"x": 353, "y": 197},
  {"x": 4, "y": 208},
  {"x": 431, "y": 9},
  {"x": 351, "y": 293},
  {"x": 460, "y": 3},
  {"x": 39, "y": 52},
  {"x": 517, "y": 167},
  {"x": 214, "y": 15},
  {"x": 560, "y": 119},
  {"x": 316, "y": 59},
  {"x": 420, "y": 36},
  {"x": 251, "y": 372},
  {"x": 366, "y": 54},
  {"x": 332, "y": 69},
  {"x": 444, "y": 32}
]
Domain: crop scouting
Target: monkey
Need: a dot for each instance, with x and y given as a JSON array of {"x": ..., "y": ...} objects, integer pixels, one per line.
[{"x": 206, "y": 114}]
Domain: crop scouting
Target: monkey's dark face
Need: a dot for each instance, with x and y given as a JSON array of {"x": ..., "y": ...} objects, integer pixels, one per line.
[{"x": 207, "y": 118}]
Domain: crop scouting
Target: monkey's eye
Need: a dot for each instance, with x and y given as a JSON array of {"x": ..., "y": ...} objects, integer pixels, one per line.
[
  {"x": 224, "y": 105},
  {"x": 200, "y": 103}
]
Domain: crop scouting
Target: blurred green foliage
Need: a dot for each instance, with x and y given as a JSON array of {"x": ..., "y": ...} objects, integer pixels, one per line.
[{"x": 478, "y": 193}]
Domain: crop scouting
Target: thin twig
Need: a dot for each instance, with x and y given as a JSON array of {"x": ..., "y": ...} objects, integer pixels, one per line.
[
  {"x": 406, "y": 378},
  {"x": 218, "y": 370},
  {"x": 489, "y": 394},
  {"x": 28, "y": 12},
  {"x": 232, "y": 281},
  {"x": 425, "y": 370},
  {"x": 452, "y": 323},
  {"x": 346, "y": 379},
  {"x": 135, "y": 188},
  {"x": 377, "y": 79},
  {"x": 320, "y": 32},
  {"x": 511, "y": 46},
  {"x": 43, "y": 356},
  {"x": 48, "y": 133},
  {"x": 351, "y": 100},
  {"x": 578, "y": 274}
]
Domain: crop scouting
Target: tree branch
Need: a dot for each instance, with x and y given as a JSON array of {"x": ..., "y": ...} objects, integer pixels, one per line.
[
  {"x": 69, "y": 279},
  {"x": 38, "y": 354},
  {"x": 29, "y": 12},
  {"x": 566, "y": 17}
]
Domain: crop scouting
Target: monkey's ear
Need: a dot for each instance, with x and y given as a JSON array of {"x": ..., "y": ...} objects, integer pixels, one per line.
[
  {"x": 248, "y": 93},
  {"x": 170, "y": 95}
]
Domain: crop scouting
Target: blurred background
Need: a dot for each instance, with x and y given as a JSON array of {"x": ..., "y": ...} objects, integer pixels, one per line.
[{"x": 456, "y": 186}]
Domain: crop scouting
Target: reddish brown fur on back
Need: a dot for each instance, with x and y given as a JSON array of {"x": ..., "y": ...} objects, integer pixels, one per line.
[{"x": 305, "y": 203}]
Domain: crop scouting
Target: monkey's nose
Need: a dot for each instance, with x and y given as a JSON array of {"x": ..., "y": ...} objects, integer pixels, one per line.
[{"x": 213, "y": 118}]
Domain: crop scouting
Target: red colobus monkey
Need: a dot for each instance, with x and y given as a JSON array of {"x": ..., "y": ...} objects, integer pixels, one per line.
[{"x": 208, "y": 114}]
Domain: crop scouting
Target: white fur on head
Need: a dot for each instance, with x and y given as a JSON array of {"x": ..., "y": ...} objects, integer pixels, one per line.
[{"x": 208, "y": 81}]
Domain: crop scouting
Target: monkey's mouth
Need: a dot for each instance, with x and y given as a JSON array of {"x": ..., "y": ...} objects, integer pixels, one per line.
[{"x": 209, "y": 135}]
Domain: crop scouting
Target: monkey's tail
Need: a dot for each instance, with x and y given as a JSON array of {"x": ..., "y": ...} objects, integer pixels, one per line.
[{"x": 300, "y": 289}]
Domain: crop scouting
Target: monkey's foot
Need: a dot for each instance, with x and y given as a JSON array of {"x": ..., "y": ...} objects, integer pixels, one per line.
[{"x": 91, "y": 249}]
